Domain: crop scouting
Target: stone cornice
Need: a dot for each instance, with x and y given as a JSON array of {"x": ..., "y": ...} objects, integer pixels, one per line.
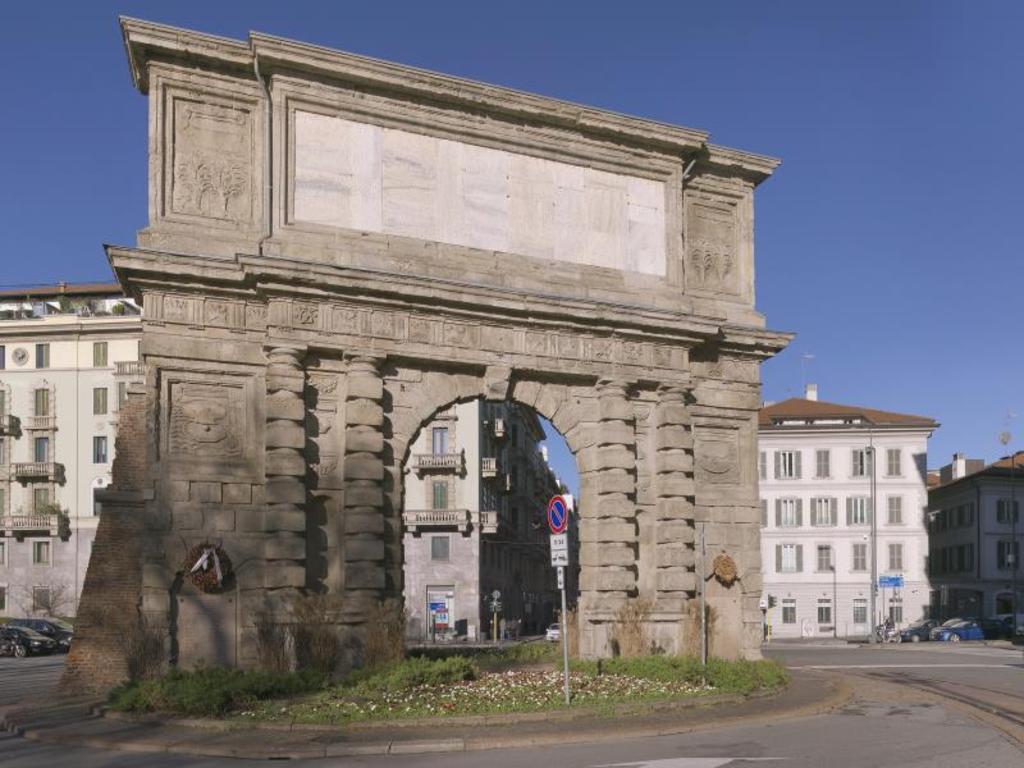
[
  {"x": 258, "y": 278},
  {"x": 146, "y": 40}
]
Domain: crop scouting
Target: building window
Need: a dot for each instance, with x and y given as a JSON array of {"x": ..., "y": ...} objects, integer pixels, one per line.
[
  {"x": 762, "y": 465},
  {"x": 764, "y": 513},
  {"x": 860, "y": 557},
  {"x": 860, "y": 610},
  {"x": 788, "y": 513},
  {"x": 824, "y": 557},
  {"x": 99, "y": 449},
  {"x": 40, "y": 553},
  {"x": 788, "y": 610},
  {"x": 42, "y": 402},
  {"x": 895, "y": 557},
  {"x": 3, "y": 357},
  {"x": 1005, "y": 559},
  {"x": 896, "y": 610},
  {"x": 3, "y": 553},
  {"x": 858, "y": 510},
  {"x": 823, "y": 512},
  {"x": 440, "y": 495},
  {"x": 787, "y": 465},
  {"x": 3, "y": 452},
  {"x": 892, "y": 462},
  {"x": 42, "y": 355},
  {"x": 99, "y": 401},
  {"x": 41, "y": 600},
  {"x": 439, "y": 441},
  {"x": 439, "y": 548},
  {"x": 861, "y": 462},
  {"x": 789, "y": 558},
  {"x": 822, "y": 463},
  {"x": 3, "y": 599},
  {"x": 895, "y": 510},
  {"x": 824, "y": 612},
  {"x": 3, "y": 400},
  {"x": 99, "y": 354},
  {"x": 42, "y": 449},
  {"x": 40, "y": 498},
  {"x": 1003, "y": 511}
]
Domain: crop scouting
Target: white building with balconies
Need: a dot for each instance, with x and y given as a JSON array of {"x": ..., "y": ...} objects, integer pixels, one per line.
[
  {"x": 477, "y": 484},
  {"x": 67, "y": 353},
  {"x": 824, "y": 471}
]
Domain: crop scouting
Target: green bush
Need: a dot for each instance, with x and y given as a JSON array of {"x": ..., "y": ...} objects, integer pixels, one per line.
[
  {"x": 211, "y": 691},
  {"x": 416, "y": 671}
]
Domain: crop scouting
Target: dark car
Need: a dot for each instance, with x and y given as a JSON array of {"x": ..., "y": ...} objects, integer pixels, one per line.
[
  {"x": 28, "y": 642},
  {"x": 55, "y": 629},
  {"x": 918, "y": 631},
  {"x": 955, "y": 630},
  {"x": 996, "y": 629}
]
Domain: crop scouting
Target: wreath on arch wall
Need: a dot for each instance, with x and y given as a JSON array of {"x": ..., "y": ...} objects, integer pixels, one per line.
[
  {"x": 208, "y": 567},
  {"x": 724, "y": 569}
]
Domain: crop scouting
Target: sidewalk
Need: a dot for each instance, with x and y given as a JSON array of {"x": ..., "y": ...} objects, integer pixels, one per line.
[{"x": 80, "y": 723}]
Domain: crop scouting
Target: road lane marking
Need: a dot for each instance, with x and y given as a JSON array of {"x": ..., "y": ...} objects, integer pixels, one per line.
[
  {"x": 687, "y": 762},
  {"x": 910, "y": 666}
]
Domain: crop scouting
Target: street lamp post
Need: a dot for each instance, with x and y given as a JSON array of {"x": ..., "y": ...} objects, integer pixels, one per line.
[
  {"x": 873, "y": 544},
  {"x": 1011, "y": 557},
  {"x": 835, "y": 600}
]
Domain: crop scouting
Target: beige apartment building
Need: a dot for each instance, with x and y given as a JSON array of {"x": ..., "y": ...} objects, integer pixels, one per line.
[
  {"x": 67, "y": 353},
  {"x": 477, "y": 483}
]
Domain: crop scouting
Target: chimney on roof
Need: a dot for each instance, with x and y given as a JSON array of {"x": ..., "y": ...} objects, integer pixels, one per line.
[
  {"x": 810, "y": 392},
  {"x": 959, "y": 466}
]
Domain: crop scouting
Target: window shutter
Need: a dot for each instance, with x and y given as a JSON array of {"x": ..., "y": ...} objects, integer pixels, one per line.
[
  {"x": 796, "y": 464},
  {"x": 778, "y": 513},
  {"x": 867, "y": 506},
  {"x": 849, "y": 510},
  {"x": 833, "y": 509},
  {"x": 799, "y": 558},
  {"x": 764, "y": 513},
  {"x": 799, "y": 511},
  {"x": 778, "y": 464},
  {"x": 778, "y": 558}
]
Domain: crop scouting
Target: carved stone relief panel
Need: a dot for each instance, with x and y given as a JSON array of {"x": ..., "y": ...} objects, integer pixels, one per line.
[
  {"x": 323, "y": 431},
  {"x": 713, "y": 247},
  {"x": 207, "y": 426},
  {"x": 717, "y": 455}
]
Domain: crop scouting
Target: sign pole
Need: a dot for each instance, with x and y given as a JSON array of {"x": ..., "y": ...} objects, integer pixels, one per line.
[
  {"x": 565, "y": 634},
  {"x": 558, "y": 522}
]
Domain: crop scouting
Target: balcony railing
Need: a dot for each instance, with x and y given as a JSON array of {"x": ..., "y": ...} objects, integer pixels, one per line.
[
  {"x": 41, "y": 422},
  {"x": 38, "y": 470},
  {"x": 8, "y": 424},
  {"x": 488, "y": 521},
  {"x": 437, "y": 462},
  {"x": 416, "y": 519},
  {"x": 24, "y": 523},
  {"x": 129, "y": 368},
  {"x": 488, "y": 467}
]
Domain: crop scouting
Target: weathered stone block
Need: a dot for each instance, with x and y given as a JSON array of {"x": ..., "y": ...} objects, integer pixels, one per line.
[
  {"x": 676, "y": 580},
  {"x": 606, "y": 530},
  {"x": 675, "y": 508},
  {"x": 364, "y": 385},
  {"x": 285, "y": 405},
  {"x": 237, "y": 493},
  {"x": 282, "y": 573},
  {"x": 285, "y": 382},
  {"x": 673, "y": 436},
  {"x": 285, "y": 434},
  {"x": 362, "y": 523},
  {"x": 363, "y": 466},
  {"x": 186, "y": 517},
  {"x": 364, "y": 575},
  {"x": 674, "y": 531},
  {"x": 220, "y": 518},
  {"x": 285, "y": 461},
  {"x": 615, "y": 457},
  {"x": 285, "y": 546},
  {"x": 364, "y": 549},
  {"x": 672, "y": 413},
  {"x": 250, "y": 519},
  {"x": 203, "y": 492},
  {"x": 607, "y": 579},
  {"x": 674, "y": 555},
  {"x": 614, "y": 407},
  {"x": 177, "y": 490},
  {"x": 364, "y": 412},
  {"x": 285, "y": 490},
  {"x": 365, "y": 439},
  {"x": 595, "y": 554},
  {"x": 614, "y": 481},
  {"x": 615, "y": 433},
  {"x": 673, "y": 461},
  {"x": 676, "y": 484},
  {"x": 368, "y": 495},
  {"x": 614, "y": 505},
  {"x": 285, "y": 518}
]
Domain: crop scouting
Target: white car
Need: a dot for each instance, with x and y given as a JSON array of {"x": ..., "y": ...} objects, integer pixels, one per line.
[{"x": 554, "y": 633}]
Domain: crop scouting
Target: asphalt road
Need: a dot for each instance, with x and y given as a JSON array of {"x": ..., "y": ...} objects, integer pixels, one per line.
[{"x": 887, "y": 722}]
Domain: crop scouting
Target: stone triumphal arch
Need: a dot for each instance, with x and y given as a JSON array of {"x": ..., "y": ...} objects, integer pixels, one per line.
[{"x": 338, "y": 247}]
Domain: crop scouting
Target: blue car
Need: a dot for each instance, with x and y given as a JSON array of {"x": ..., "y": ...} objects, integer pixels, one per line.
[{"x": 955, "y": 630}]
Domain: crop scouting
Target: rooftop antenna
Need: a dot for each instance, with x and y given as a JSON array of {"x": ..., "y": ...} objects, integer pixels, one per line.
[{"x": 803, "y": 370}]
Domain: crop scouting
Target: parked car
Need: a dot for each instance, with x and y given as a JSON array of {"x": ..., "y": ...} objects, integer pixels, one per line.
[
  {"x": 28, "y": 642},
  {"x": 918, "y": 631},
  {"x": 996, "y": 629},
  {"x": 955, "y": 630},
  {"x": 554, "y": 633},
  {"x": 55, "y": 629}
]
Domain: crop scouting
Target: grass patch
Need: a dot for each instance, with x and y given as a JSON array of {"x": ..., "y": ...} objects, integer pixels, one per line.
[
  {"x": 212, "y": 691},
  {"x": 742, "y": 677}
]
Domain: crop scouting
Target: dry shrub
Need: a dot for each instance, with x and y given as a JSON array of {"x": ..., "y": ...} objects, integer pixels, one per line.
[
  {"x": 142, "y": 643},
  {"x": 271, "y": 644},
  {"x": 385, "y": 635},
  {"x": 314, "y": 635},
  {"x": 630, "y": 632},
  {"x": 691, "y": 627}
]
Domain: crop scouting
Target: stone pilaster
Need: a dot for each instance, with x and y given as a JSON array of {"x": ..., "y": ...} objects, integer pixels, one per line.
[
  {"x": 284, "y": 549},
  {"x": 674, "y": 486},
  {"x": 609, "y": 537},
  {"x": 365, "y": 526}
]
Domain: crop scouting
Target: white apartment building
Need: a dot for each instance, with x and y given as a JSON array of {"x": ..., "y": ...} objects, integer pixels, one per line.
[
  {"x": 477, "y": 483},
  {"x": 975, "y": 537},
  {"x": 816, "y": 462},
  {"x": 67, "y": 353}
]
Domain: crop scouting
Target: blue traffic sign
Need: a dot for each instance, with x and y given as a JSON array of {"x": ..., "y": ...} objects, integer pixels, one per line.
[
  {"x": 558, "y": 514},
  {"x": 890, "y": 581}
]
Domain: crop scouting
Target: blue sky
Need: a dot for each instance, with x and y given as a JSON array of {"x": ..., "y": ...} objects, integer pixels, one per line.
[{"x": 888, "y": 239}]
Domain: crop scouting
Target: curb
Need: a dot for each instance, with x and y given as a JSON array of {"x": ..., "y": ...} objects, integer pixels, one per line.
[{"x": 45, "y": 726}]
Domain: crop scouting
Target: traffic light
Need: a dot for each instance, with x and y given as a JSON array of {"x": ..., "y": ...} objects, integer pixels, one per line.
[{"x": 771, "y": 601}]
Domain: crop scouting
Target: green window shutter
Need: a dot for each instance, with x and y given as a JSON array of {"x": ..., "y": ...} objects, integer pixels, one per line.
[
  {"x": 833, "y": 505},
  {"x": 799, "y": 558},
  {"x": 778, "y": 513},
  {"x": 778, "y": 558},
  {"x": 778, "y": 465},
  {"x": 764, "y": 513},
  {"x": 849, "y": 510},
  {"x": 796, "y": 464}
]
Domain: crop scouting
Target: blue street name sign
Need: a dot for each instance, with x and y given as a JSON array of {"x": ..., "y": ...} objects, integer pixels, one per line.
[{"x": 890, "y": 581}]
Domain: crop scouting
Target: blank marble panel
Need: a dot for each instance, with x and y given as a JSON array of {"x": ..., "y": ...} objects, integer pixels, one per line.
[
  {"x": 409, "y": 184},
  {"x": 358, "y": 176}
]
